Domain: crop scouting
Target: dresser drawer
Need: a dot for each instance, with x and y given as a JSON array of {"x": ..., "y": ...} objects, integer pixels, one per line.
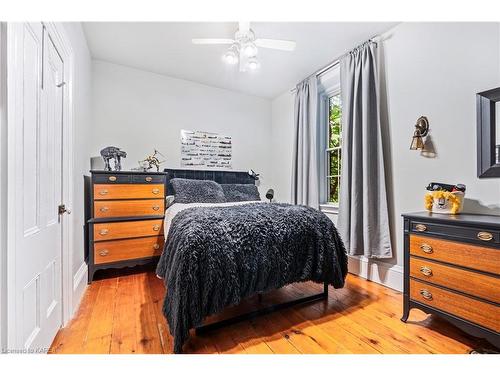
[
  {"x": 480, "y": 236},
  {"x": 144, "y": 207},
  {"x": 118, "y": 250},
  {"x": 112, "y": 178},
  {"x": 482, "y": 313},
  {"x": 146, "y": 178},
  {"x": 462, "y": 254},
  {"x": 473, "y": 283},
  {"x": 127, "y": 229},
  {"x": 128, "y": 191}
]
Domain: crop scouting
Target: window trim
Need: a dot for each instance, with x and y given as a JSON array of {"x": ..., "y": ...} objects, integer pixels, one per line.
[{"x": 325, "y": 96}]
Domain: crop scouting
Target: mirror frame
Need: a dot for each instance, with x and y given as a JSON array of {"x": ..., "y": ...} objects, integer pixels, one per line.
[{"x": 485, "y": 106}]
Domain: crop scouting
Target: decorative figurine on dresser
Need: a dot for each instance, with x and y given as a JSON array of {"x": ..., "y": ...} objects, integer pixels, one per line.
[
  {"x": 452, "y": 269},
  {"x": 125, "y": 213}
]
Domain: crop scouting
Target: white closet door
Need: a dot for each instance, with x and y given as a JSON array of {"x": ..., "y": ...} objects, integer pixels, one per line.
[{"x": 38, "y": 188}]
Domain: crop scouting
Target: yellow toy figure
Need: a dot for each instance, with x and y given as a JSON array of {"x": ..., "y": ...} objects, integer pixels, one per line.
[{"x": 444, "y": 201}]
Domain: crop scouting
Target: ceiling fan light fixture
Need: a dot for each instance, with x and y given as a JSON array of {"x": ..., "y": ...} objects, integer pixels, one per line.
[
  {"x": 250, "y": 49},
  {"x": 231, "y": 56},
  {"x": 253, "y": 63}
]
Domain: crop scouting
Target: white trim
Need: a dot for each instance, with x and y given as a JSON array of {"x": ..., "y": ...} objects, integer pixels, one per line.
[
  {"x": 329, "y": 208},
  {"x": 79, "y": 276},
  {"x": 389, "y": 275},
  {"x": 61, "y": 40},
  {"x": 79, "y": 286}
]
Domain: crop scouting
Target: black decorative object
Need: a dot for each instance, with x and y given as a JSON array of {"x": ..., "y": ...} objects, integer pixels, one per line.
[
  {"x": 488, "y": 164},
  {"x": 112, "y": 153},
  {"x": 270, "y": 195},
  {"x": 254, "y": 175}
]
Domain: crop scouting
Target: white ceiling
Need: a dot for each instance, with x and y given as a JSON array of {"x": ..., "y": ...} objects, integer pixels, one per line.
[{"x": 166, "y": 48}]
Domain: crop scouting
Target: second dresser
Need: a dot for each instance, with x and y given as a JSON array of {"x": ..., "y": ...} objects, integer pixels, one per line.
[{"x": 125, "y": 219}]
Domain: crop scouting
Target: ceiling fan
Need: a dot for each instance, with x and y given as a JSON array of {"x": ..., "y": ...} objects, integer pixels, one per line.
[{"x": 244, "y": 47}]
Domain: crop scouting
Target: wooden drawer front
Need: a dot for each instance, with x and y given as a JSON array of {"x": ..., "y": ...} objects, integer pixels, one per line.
[
  {"x": 151, "y": 179},
  {"x": 463, "y": 254},
  {"x": 476, "y": 284},
  {"x": 128, "y": 191},
  {"x": 112, "y": 178},
  {"x": 479, "y": 236},
  {"x": 114, "y": 251},
  {"x": 127, "y": 229},
  {"x": 482, "y": 313},
  {"x": 143, "y": 207}
]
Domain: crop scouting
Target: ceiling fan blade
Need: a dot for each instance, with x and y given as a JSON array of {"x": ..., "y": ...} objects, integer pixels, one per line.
[
  {"x": 243, "y": 27},
  {"x": 284, "y": 45},
  {"x": 212, "y": 41}
]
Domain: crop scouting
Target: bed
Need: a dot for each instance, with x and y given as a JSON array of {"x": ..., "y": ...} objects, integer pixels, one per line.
[{"x": 218, "y": 253}]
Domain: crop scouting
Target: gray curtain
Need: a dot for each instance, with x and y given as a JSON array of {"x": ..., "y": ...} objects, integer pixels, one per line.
[
  {"x": 363, "y": 219},
  {"x": 305, "y": 190}
]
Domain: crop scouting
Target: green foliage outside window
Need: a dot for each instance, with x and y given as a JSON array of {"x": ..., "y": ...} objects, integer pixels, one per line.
[{"x": 334, "y": 148}]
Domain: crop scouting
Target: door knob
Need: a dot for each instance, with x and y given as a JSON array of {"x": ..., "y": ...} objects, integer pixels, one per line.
[{"x": 62, "y": 209}]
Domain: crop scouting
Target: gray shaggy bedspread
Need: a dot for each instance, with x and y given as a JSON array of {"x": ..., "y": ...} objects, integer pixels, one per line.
[{"x": 216, "y": 256}]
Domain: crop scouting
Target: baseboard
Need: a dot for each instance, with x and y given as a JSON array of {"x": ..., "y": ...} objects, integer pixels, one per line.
[
  {"x": 79, "y": 285},
  {"x": 379, "y": 272}
]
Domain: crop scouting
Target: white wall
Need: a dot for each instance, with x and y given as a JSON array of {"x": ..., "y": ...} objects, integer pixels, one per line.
[
  {"x": 282, "y": 146},
  {"x": 81, "y": 157},
  {"x": 139, "y": 111},
  {"x": 435, "y": 70},
  {"x": 431, "y": 69},
  {"x": 3, "y": 187}
]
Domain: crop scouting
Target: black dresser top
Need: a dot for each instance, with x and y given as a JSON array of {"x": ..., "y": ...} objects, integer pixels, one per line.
[
  {"x": 125, "y": 172},
  {"x": 471, "y": 219}
]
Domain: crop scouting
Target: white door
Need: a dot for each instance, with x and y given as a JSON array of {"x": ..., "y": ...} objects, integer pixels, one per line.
[{"x": 38, "y": 164}]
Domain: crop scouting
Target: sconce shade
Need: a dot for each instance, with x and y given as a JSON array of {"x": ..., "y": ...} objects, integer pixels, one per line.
[
  {"x": 417, "y": 143},
  {"x": 421, "y": 130}
]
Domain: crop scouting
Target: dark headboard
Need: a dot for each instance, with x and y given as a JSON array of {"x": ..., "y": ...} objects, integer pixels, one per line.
[{"x": 221, "y": 177}]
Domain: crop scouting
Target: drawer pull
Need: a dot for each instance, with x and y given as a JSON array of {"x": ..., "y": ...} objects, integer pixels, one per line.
[
  {"x": 104, "y": 209},
  {"x": 426, "y": 271},
  {"x": 103, "y": 253},
  {"x": 426, "y": 248},
  {"x": 155, "y": 191},
  {"x": 156, "y": 228},
  {"x": 420, "y": 228},
  {"x": 485, "y": 236},
  {"x": 156, "y": 208},
  {"x": 426, "y": 294},
  {"x": 156, "y": 246},
  {"x": 103, "y": 232},
  {"x": 149, "y": 179},
  {"x": 103, "y": 192},
  {"x": 112, "y": 178}
]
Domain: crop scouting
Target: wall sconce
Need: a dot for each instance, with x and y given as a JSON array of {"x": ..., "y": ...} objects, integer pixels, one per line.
[{"x": 421, "y": 130}]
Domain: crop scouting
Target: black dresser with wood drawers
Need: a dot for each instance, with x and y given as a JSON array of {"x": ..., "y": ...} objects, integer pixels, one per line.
[
  {"x": 125, "y": 212},
  {"x": 452, "y": 269}
]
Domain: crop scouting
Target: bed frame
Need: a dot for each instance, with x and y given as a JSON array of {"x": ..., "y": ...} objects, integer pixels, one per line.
[{"x": 234, "y": 177}]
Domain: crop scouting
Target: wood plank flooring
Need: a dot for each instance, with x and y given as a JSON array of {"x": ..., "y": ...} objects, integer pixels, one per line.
[{"x": 121, "y": 313}]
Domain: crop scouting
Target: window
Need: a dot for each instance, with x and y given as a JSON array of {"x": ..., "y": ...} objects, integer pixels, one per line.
[{"x": 334, "y": 148}]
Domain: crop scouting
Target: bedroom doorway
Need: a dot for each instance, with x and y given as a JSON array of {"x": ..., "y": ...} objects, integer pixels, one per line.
[{"x": 37, "y": 178}]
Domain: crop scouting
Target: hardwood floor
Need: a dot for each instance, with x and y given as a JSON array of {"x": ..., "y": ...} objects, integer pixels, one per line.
[{"x": 121, "y": 313}]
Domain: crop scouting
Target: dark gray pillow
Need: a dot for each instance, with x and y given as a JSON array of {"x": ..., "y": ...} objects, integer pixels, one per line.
[
  {"x": 240, "y": 192},
  {"x": 197, "y": 191}
]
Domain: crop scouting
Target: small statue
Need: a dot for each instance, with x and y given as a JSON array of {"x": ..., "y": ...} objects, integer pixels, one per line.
[
  {"x": 115, "y": 153},
  {"x": 152, "y": 161}
]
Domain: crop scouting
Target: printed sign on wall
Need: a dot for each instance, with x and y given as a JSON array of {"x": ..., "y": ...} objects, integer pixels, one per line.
[{"x": 203, "y": 149}]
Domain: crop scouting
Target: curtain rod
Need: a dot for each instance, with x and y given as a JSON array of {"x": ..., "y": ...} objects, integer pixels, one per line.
[{"x": 335, "y": 62}]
